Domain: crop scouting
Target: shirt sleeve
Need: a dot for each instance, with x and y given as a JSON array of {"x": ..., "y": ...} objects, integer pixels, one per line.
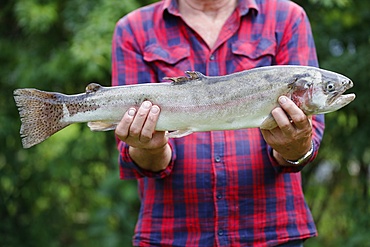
[
  {"x": 129, "y": 67},
  {"x": 295, "y": 44},
  {"x": 297, "y": 47},
  {"x": 130, "y": 170}
]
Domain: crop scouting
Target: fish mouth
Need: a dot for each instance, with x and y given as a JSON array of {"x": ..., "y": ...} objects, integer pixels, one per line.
[{"x": 342, "y": 100}]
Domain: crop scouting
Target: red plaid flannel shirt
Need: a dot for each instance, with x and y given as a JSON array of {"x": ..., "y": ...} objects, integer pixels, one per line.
[{"x": 222, "y": 188}]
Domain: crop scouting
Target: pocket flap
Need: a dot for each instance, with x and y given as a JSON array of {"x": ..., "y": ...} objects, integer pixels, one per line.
[
  {"x": 254, "y": 49},
  {"x": 170, "y": 55}
]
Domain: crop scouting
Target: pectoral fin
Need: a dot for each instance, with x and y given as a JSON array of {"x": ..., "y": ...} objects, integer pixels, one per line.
[
  {"x": 269, "y": 123},
  {"x": 178, "y": 133},
  {"x": 101, "y": 126}
]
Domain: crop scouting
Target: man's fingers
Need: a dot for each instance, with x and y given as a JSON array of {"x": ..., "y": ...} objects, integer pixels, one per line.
[
  {"x": 140, "y": 118},
  {"x": 149, "y": 125},
  {"x": 122, "y": 130},
  {"x": 293, "y": 114},
  {"x": 138, "y": 125},
  {"x": 282, "y": 119}
]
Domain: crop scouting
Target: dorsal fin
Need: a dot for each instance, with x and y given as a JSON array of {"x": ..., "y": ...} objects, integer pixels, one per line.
[
  {"x": 177, "y": 80},
  {"x": 191, "y": 75},
  {"x": 194, "y": 75},
  {"x": 92, "y": 87}
]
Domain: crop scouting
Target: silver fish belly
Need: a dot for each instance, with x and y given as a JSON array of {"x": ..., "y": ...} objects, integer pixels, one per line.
[{"x": 188, "y": 104}]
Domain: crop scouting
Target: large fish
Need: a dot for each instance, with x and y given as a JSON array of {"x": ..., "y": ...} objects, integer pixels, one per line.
[{"x": 188, "y": 104}]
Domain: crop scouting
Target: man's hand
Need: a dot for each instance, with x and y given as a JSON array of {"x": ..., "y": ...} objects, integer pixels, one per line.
[
  {"x": 148, "y": 148},
  {"x": 292, "y": 138}
]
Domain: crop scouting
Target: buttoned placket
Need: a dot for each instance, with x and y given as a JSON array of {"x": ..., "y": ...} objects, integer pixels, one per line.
[
  {"x": 212, "y": 65},
  {"x": 219, "y": 188},
  {"x": 231, "y": 26},
  {"x": 218, "y": 142}
]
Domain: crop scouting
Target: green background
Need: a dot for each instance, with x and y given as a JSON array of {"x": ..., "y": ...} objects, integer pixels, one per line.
[{"x": 66, "y": 191}]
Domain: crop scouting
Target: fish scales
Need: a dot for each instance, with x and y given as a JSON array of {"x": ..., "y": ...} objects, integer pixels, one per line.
[{"x": 189, "y": 103}]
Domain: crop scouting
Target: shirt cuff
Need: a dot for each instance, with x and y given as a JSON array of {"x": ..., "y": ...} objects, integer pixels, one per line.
[{"x": 128, "y": 166}]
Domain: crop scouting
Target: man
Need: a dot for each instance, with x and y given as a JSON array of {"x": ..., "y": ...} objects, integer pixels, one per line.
[{"x": 219, "y": 188}]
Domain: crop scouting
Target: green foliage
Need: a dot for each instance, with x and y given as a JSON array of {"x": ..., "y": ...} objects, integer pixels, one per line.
[
  {"x": 341, "y": 204},
  {"x": 94, "y": 53},
  {"x": 66, "y": 191},
  {"x": 35, "y": 17},
  {"x": 331, "y": 3}
]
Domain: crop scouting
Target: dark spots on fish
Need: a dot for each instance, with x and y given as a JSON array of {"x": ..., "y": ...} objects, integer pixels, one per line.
[
  {"x": 74, "y": 108},
  {"x": 40, "y": 112},
  {"x": 48, "y": 114},
  {"x": 52, "y": 111}
]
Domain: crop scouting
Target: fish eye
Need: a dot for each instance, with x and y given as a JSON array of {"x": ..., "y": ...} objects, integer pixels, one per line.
[{"x": 330, "y": 87}]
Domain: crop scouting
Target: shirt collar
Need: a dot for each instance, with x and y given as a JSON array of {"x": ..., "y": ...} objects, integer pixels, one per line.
[
  {"x": 244, "y": 6},
  {"x": 171, "y": 6}
]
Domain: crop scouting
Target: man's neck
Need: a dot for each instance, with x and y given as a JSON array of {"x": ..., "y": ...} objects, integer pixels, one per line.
[
  {"x": 211, "y": 8},
  {"x": 207, "y": 17}
]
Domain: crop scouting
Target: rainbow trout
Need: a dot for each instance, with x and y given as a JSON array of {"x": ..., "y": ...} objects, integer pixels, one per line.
[{"x": 189, "y": 103}]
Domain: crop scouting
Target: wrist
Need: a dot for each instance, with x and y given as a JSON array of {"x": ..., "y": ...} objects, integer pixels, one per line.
[
  {"x": 154, "y": 160},
  {"x": 302, "y": 159}
]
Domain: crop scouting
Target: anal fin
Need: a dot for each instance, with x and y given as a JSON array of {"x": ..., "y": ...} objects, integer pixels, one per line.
[{"x": 101, "y": 126}]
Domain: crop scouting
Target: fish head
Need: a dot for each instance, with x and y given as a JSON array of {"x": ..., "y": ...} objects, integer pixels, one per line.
[{"x": 320, "y": 91}]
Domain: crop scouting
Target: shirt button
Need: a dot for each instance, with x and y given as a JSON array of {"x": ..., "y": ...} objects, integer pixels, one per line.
[
  {"x": 219, "y": 196},
  {"x": 218, "y": 159},
  {"x": 220, "y": 232},
  {"x": 212, "y": 57}
]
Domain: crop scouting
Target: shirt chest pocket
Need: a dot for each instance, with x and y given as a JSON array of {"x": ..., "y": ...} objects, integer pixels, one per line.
[
  {"x": 168, "y": 61},
  {"x": 250, "y": 54}
]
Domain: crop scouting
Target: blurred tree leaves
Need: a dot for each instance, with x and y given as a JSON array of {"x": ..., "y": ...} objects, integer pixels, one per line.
[
  {"x": 36, "y": 17},
  {"x": 64, "y": 192},
  {"x": 67, "y": 192},
  {"x": 341, "y": 204}
]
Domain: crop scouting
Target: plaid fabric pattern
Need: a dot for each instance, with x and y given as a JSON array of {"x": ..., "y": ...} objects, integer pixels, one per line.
[{"x": 222, "y": 188}]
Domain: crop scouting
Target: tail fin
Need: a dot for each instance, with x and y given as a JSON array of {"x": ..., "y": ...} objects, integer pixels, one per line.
[{"x": 40, "y": 114}]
